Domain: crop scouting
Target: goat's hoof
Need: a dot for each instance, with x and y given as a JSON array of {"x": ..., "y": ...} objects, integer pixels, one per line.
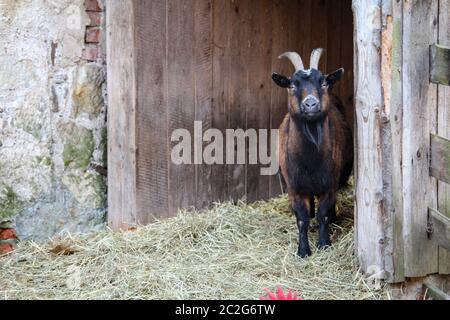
[
  {"x": 304, "y": 252},
  {"x": 323, "y": 245}
]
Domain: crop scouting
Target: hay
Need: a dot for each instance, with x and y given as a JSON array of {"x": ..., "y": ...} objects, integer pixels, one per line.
[{"x": 228, "y": 252}]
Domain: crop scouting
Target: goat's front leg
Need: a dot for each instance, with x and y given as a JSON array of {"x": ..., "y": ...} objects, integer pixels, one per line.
[
  {"x": 326, "y": 203},
  {"x": 301, "y": 208}
]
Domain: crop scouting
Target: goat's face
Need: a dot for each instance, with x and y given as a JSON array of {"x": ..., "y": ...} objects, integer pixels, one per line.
[{"x": 308, "y": 92}]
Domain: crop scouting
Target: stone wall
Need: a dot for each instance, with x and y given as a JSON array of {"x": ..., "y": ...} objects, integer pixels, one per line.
[{"x": 52, "y": 117}]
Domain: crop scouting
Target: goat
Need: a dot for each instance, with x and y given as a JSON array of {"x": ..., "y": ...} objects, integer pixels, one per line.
[{"x": 316, "y": 146}]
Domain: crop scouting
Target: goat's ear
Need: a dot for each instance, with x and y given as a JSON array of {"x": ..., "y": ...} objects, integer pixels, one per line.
[
  {"x": 333, "y": 77},
  {"x": 280, "y": 80}
]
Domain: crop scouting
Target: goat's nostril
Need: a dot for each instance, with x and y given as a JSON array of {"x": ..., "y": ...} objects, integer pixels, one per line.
[{"x": 311, "y": 104}]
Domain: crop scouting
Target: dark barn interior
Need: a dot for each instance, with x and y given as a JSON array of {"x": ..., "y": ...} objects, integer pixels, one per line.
[{"x": 211, "y": 60}]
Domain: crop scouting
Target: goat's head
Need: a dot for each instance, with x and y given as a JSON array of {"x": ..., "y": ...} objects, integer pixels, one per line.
[{"x": 308, "y": 89}]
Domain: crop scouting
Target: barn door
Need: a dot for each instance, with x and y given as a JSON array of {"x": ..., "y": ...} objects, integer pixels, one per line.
[{"x": 402, "y": 119}]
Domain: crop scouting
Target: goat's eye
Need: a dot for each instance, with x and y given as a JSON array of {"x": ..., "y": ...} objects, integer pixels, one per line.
[{"x": 292, "y": 90}]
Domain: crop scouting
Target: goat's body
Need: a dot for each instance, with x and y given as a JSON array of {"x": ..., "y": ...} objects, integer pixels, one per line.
[
  {"x": 311, "y": 170},
  {"x": 316, "y": 146}
]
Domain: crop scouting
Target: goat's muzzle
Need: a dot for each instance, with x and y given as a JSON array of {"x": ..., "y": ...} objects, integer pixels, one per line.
[{"x": 310, "y": 105}]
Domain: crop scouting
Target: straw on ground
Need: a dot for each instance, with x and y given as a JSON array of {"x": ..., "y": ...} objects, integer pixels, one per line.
[{"x": 228, "y": 252}]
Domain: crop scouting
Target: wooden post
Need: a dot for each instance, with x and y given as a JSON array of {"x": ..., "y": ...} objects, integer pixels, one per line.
[
  {"x": 369, "y": 210},
  {"x": 121, "y": 114}
]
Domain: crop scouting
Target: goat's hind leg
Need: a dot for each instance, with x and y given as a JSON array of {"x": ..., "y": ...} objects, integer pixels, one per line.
[
  {"x": 301, "y": 208},
  {"x": 332, "y": 213},
  {"x": 312, "y": 207},
  {"x": 324, "y": 212}
]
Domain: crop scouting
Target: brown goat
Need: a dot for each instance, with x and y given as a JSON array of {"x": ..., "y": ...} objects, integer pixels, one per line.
[{"x": 316, "y": 146}]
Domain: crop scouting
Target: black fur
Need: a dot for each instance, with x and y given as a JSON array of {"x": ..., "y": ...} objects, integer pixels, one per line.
[{"x": 309, "y": 169}]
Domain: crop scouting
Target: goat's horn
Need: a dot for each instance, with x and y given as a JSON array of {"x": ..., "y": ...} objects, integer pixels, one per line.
[
  {"x": 295, "y": 58},
  {"x": 315, "y": 58}
]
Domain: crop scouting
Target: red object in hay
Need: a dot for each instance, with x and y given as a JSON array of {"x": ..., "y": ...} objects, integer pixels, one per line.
[
  {"x": 280, "y": 295},
  {"x": 8, "y": 234},
  {"x": 6, "y": 248}
]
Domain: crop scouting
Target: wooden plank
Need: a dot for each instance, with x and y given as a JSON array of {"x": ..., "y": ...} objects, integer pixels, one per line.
[
  {"x": 258, "y": 86},
  {"x": 434, "y": 292},
  {"x": 419, "y": 120},
  {"x": 444, "y": 128},
  {"x": 203, "y": 93},
  {"x": 152, "y": 172},
  {"x": 334, "y": 39},
  {"x": 439, "y": 228},
  {"x": 335, "y": 26},
  {"x": 347, "y": 85},
  {"x": 319, "y": 34},
  {"x": 392, "y": 249},
  {"x": 356, "y": 166},
  {"x": 253, "y": 98},
  {"x": 121, "y": 114},
  {"x": 369, "y": 211},
  {"x": 278, "y": 98},
  {"x": 392, "y": 47},
  {"x": 238, "y": 90},
  {"x": 440, "y": 158},
  {"x": 222, "y": 11},
  {"x": 181, "y": 97},
  {"x": 302, "y": 38},
  {"x": 440, "y": 64}
]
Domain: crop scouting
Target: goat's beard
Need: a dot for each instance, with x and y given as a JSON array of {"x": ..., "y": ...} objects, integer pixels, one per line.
[
  {"x": 313, "y": 132},
  {"x": 311, "y": 126}
]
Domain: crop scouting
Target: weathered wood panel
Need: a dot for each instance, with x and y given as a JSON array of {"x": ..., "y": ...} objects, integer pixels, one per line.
[
  {"x": 391, "y": 57},
  {"x": 410, "y": 109},
  {"x": 439, "y": 228},
  {"x": 303, "y": 25},
  {"x": 444, "y": 128},
  {"x": 121, "y": 114},
  {"x": 222, "y": 11},
  {"x": 346, "y": 84},
  {"x": 440, "y": 64},
  {"x": 334, "y": 43},
  {"x": 203, "y": 88},
  {"x": 419, "y": 120},
  {"x": 152, "y": 172},
  {"x": 435, "y": 292},
  {"x": 181, "y": 97},
  {"x": 238, "y": 91},
  {"x": 319, "y": 36},
  {"x": 258, "y": 114},
  {"x": 440, "y": 158},
  {"x": 278, "y": 107}
]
